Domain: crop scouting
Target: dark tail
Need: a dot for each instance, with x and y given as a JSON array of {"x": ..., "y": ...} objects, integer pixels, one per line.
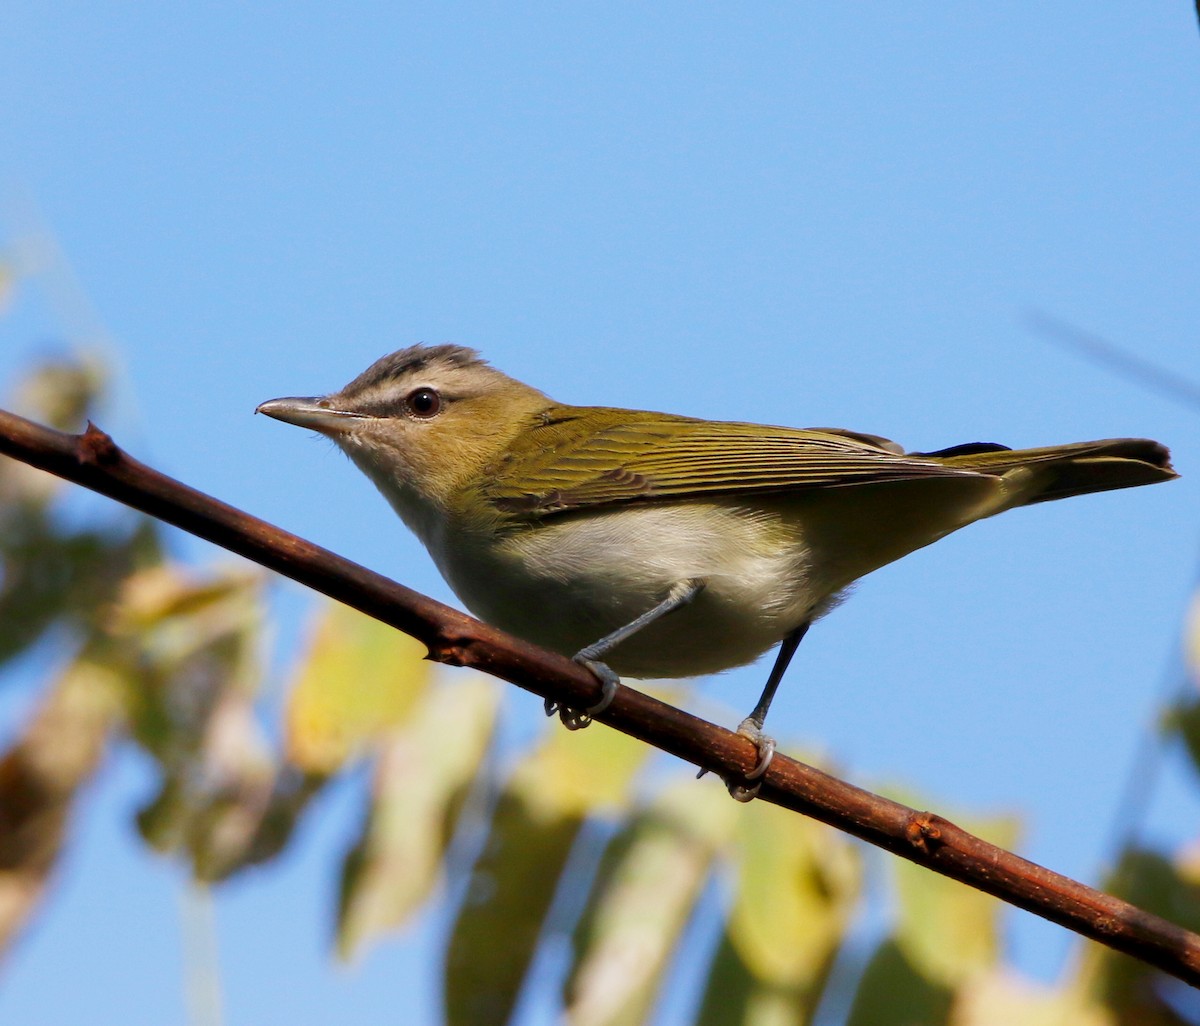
[{"x": 1060, "y": 471}]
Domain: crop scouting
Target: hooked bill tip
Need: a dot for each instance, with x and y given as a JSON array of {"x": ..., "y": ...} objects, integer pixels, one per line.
[
  {"x": 279, "y": 408},
  {"x": 310, "y": 412}
]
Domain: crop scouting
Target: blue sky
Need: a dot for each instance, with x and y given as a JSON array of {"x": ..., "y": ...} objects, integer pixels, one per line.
[{"x": 798, "y": 214}]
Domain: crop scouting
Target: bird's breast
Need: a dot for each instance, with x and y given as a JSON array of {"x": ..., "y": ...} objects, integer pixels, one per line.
[{"x": 568, "y": 581}]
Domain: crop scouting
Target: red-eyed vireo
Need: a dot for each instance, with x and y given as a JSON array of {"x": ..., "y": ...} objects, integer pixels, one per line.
[{"x": 663, "y": 545}]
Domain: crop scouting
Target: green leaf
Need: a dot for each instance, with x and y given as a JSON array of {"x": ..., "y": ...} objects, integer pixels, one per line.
[
  {"x": 421, "y": 775},
  {"x": 647, "y": 885},
  {"x": 497, "y": 929},
  {"x": 1184, "y": 719},
  {"x": 733, "y": 996},
  {"x": 894, "y": 992},
  {"x": 512, "y": 885},
  {"x": 50, "y": 572},
  {"x": 1153, "y": 882},
  {"x": 48, "y": 575}
]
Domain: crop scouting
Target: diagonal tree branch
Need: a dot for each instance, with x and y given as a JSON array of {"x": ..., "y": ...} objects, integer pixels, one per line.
[{"x": 94, "y": 461}]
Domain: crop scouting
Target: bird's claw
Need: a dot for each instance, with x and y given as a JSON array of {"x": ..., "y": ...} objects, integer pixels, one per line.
[
  {"x": 575, "y": 719},
  {"x": 766, "y": 753}
]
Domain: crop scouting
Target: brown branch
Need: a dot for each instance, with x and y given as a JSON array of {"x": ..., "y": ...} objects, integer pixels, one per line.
[{"x": 93, "y": 460}]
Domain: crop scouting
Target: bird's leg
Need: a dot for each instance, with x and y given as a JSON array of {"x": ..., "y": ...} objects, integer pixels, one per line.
[
  {"x": 752, "y": 725},
  {"x": 679, "y": 595}
]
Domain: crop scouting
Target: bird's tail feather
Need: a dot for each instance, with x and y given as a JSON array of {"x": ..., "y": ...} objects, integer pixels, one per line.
[{"x": 1060, "y": 471}]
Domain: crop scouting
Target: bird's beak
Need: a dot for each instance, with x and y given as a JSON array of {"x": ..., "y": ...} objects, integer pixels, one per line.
[{"x": 313, "y": 412}]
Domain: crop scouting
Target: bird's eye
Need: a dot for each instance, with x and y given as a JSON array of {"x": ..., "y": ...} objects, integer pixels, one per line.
[{"x": 423, "y": 403}]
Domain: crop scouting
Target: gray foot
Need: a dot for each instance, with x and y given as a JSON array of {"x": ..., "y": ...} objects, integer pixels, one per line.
[
  {"x": 766, "y": 752},
  {"x": 574, "y": 719}
]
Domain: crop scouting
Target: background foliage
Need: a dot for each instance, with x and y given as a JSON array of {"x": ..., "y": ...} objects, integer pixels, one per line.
[{"x": 574, "y": 838}]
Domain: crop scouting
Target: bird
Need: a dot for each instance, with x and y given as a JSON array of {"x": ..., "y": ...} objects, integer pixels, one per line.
[{"x": 654, "y": 545}]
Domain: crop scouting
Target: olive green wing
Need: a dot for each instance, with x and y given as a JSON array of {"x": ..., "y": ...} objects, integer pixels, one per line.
[{"x": 586, "y": 457}]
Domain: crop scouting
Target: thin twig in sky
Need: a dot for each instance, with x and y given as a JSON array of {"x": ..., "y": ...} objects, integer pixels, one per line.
[{"x": 1125, "y": 363}]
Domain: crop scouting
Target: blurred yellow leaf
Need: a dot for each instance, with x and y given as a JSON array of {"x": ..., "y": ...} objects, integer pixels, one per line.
[
  {"x": 191, "y": 639},
  {"x": 798, "y": 885},
  {"x": 422, "y": 772},
  {"x": 8, "y": 282},
  {"x": 648, "y": 884},
  {"x": 39, "y": 776},
  {"x": 1002, "y": 998},
  {"x": 1191, "y": 637},
  {"x": 949, "y": 931},
  {"x": 579, "y": 772},
  {"x": 191, "y": 647},
  {"x": 173, "y": 613},
  {"x": 358, "y": 679},
  {"x": 61, "y": 393},
  {"x": 239, "y": 780},
  {"x": 1187, "y": 863}
]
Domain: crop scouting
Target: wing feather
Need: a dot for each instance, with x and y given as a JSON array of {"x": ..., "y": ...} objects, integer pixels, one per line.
[{"x": 626, "y": 456}]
